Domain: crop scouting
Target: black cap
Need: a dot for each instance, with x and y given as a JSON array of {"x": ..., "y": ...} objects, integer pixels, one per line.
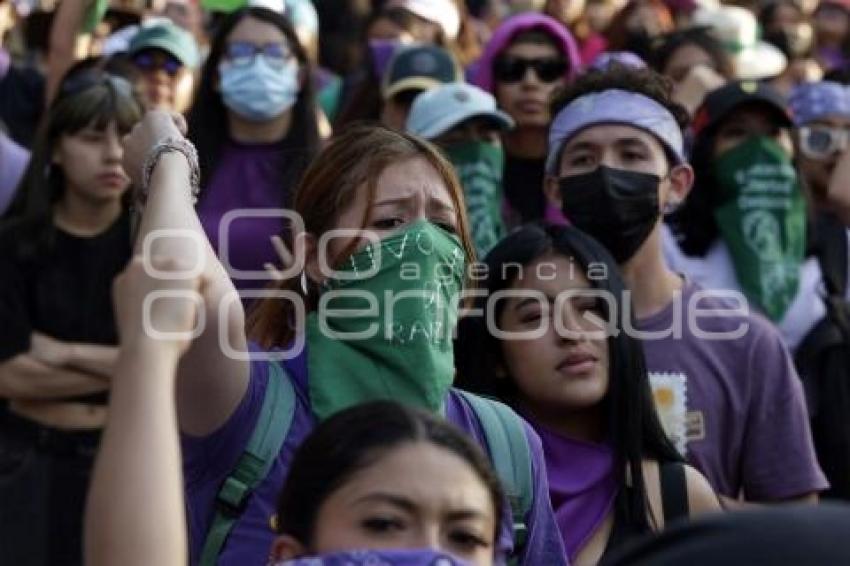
[
  {"x": 419, "y": 67},
  {"x": 721, "y": 102}
]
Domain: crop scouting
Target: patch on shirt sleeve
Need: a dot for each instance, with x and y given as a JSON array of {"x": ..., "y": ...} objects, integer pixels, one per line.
[{"x": 670, "y": 393}]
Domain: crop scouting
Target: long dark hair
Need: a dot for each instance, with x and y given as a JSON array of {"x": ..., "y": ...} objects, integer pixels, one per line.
[
  {"x": 362, "y": 100},
  {"x": 633, "y": 427},
  {"x": 354, "y": 439},
  {"x": 208, "y": 127},
  {"x": 94, "y": 92},
  {"x": 667, "y": 46}
]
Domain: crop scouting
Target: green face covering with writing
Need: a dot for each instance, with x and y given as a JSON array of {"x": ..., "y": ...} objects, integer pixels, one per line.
[
  {"x": 762, "y": 219},
  {"x": 383, "y": 328},
  {"x": 479, "y": 166}
]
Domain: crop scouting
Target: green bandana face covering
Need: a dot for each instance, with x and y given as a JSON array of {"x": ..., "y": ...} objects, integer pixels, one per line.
[
  {"x": 762, "y": 219},
  {"x": 479, "y": 166},
  {"x": 383, "y": 329}
]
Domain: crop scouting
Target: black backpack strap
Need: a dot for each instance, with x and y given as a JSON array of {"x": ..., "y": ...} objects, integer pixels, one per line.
[
  {"x": 832, "y": 249},
  {"x": 674, "y": 491}
]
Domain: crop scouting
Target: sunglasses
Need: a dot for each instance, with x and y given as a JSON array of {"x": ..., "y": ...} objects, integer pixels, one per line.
[
  {"x": 242, "y": 53},
  {"x": 821, "y": 142},
  {"x": 513, "y": 69},
  {"x": 153, "y": 61}
]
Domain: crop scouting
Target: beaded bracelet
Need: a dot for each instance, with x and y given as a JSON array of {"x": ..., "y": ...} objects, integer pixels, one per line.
[{"x": 181, "y": 145}]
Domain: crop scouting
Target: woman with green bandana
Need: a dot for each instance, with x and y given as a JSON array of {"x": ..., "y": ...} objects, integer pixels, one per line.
[
  {"x": 380, "y": 243},
  {"x": 743, "y": 227}
]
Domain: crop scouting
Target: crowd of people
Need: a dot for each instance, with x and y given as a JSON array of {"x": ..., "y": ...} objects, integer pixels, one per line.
[{"x": 424, "y": 282}]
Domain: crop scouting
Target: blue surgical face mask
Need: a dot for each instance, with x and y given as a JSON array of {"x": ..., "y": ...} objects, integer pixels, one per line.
[
  {"x": 399, "y": 557},
  {"x": 259, "y": 91}
]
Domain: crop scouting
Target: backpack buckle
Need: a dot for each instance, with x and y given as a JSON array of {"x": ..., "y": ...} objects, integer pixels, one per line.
[
  {"x": 233, "y": 496},
  {"x": 520, "y": 536}
]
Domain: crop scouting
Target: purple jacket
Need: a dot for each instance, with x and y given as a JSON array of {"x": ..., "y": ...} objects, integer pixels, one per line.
[{"x": 483, "y": 73}]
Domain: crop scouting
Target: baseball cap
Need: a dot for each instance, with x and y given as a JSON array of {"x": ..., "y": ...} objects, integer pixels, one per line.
[
  {"x": 813, "y": 101},
  {"x": 444, "y": 13},
  {"x": 721, "y": 102},
  {"x": 168, "y": 36},
  {"x": 440, "y": 109},
  {"x": 419, "y": 67},
  {"x": 737, "y": 29}
]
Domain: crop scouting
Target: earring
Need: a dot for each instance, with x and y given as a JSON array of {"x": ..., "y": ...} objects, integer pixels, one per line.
[
  {"x": 671, "y": 206},
  {"x": 304, "y": 283}
]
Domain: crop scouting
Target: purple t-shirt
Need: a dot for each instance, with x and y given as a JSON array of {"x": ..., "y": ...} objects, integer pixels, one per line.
[
  {"x": 208, "y": 461},
  {"x": 738, "y": 403},
  {"x": 247, "y": 179}
]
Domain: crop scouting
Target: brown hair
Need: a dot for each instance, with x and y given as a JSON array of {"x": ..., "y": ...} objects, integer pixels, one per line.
[
  {"x": 618, "y": 33},
  {"x": 353, "y": 160}
]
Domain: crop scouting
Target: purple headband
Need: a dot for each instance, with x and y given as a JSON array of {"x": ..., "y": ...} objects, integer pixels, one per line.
[
  {"x": 614, "y": 107},
  {"x": 625, "y": 58},
  {"x": 811, "y": 101}
]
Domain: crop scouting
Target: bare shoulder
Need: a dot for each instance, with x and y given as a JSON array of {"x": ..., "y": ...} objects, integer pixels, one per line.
[
  {"x": 652, "y": 484},
  {"x": 701, "y": 496}
]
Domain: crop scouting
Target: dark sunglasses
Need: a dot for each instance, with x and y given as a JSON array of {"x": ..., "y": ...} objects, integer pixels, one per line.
[
  {"x": 242, "y": 53},
  {"x": 152, "y": 61},
  {"x": 513, "y": 69}
]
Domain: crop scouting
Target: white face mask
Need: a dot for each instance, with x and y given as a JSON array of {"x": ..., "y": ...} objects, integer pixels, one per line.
[{"x": 259, "y": 91}]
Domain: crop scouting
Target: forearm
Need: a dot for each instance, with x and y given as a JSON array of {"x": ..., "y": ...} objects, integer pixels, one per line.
[
  {"x": 169, "y": 209},
  {"x": 23, "y": 377},
  {"x": 93, "y": 358},
  {"x": 135, "y": 512},
  {"x": 64, "y": 33},
  {"x": 210, "y": 383}
]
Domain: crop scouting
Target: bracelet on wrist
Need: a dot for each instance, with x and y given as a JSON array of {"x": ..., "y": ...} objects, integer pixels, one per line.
[{"x": 168, "y": 145}]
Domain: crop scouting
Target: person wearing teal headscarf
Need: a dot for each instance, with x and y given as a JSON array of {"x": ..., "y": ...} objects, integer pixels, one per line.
[
  {"x": 743, "y": 227},
  {"x": 464, "y": 122}
]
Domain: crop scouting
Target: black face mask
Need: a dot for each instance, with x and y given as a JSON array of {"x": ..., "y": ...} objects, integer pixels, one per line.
[{"x": 617, "y": 207}]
